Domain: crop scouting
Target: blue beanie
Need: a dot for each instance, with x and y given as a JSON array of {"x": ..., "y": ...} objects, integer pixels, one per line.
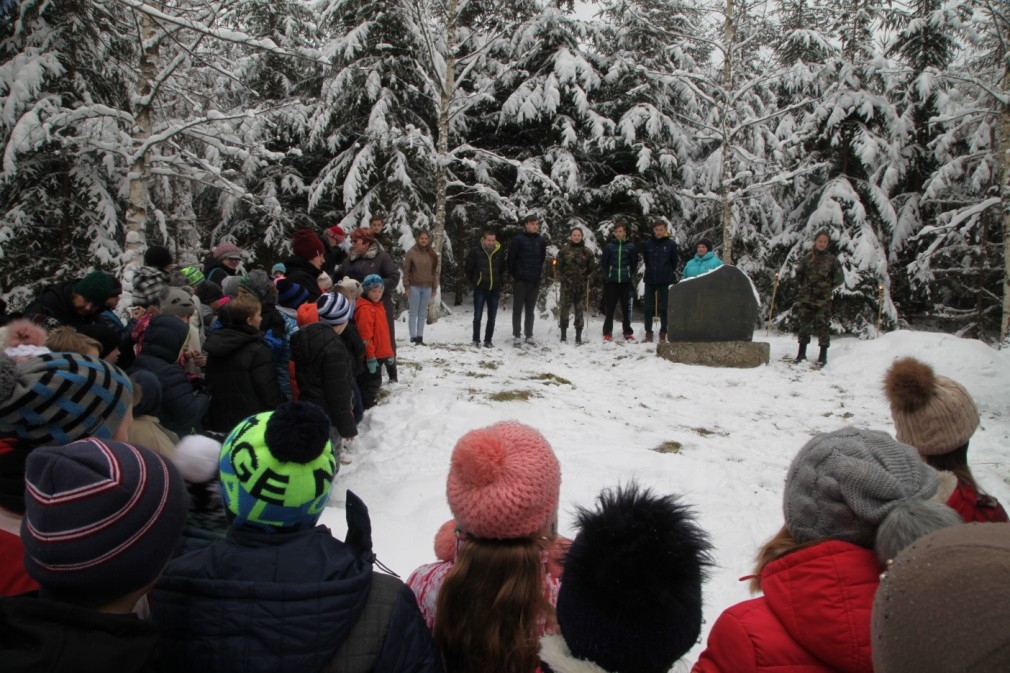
[{"x": 372, "y": 280}]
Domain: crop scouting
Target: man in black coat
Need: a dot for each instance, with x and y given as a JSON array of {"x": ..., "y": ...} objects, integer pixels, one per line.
[
  {"x": 660, "y": 253},
  {"x": 527, "y": 254}
]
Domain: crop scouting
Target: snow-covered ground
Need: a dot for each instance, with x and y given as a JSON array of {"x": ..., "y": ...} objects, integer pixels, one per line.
[{"x": 607, "y": 408}]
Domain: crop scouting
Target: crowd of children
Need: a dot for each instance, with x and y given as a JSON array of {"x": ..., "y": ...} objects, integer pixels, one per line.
[{"x": 166, "y": 519}]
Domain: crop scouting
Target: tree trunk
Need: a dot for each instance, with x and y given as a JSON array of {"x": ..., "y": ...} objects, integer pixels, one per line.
[
  {"x": 729, "y": 36},
  {"x": 139, "y": 199},
  {"x": 448, "y": 84},
  {"x": 1003, "y": 156}
]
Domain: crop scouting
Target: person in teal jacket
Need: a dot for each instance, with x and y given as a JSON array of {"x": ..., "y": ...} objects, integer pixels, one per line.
[{"x": 702, "y": 262}]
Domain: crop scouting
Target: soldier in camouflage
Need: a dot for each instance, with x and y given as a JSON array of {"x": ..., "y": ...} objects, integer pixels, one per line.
[
  {"x": 818, "y": 275},
  {"x": 575, "y": 265}
]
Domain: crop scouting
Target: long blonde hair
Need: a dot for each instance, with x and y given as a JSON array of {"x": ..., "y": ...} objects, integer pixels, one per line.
[
  {"x": 781, "y": 544},
  {"x": 492, "y": 608}
]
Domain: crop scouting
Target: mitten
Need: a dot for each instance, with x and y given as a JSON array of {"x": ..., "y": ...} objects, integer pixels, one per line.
[{"x": 373, "y": 365}]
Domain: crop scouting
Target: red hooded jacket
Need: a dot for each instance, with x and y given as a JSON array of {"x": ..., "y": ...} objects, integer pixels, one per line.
[{"x": 814, "y": 616}]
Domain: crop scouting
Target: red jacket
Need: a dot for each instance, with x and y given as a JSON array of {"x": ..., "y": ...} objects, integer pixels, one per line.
[
  {"x": 370, "y": 317},
  {"x": 814, "y": 616},
  {"x": 974, "y": 506}
]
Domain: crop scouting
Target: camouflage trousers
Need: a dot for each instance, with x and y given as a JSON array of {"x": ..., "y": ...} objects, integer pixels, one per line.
[
  {"x": 814, "y": 320},
  {"x": 573, "y": 295}
]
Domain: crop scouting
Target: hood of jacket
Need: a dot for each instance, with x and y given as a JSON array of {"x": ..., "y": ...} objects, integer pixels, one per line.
[
  {"x": 232, "y": 602},
  {"x": 823, "y": 597},
  {"x": 226, "y": 341},
  {"x": 165, "y": 337}
]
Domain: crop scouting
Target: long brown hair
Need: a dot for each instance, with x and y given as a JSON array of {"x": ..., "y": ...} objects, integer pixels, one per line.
[
  {"x": 491, "y": 607},
  {"x": 955, "y": 461},
  {"x": 781, "y": 544}
]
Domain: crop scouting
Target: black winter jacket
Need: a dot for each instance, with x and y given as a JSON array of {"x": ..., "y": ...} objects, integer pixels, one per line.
[
  {"x": 486, "y": 270},
  {"x": 38, "y": 634},
  {"x": 240, "y": 376},
  {"x": 301, "y": 272},
  {"x": 355, "y": 347},
  {"x": 54, "y": 308},
  {"x": 527, "y": 254},
  {"x": 324, "y": 371},
  {"x": 285, "y": 602},
  {"x": 182, "y": 410},
  {"x": 661, "y": 261},
  {"x": 619, "y": 261}
]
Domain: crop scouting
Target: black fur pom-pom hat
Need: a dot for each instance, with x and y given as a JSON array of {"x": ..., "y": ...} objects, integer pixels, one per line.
[{"x": 630, "y": 600}]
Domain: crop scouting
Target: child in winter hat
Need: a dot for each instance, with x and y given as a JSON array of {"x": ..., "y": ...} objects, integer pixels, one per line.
[
  {"x": 631, "y": 597},
  {"x": 852, "y": 497},
  {"x": 938, "y": 416},
  {"x": 277, "y": 468},
  {"x": 23, "y": 339},
  {"x": 55, "y": 398},
  {"x": 333, "y": 308},
  {"x": 503, "y": 489},
  {"x": 290, "y": 294},
  {"x": 101, "y": 519},
  {"x": 944, "y": 604},
  {"x": 178, "y": 302}
]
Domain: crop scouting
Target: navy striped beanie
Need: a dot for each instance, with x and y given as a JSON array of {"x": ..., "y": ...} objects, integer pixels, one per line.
[
  {"x": 290, "y": 294},
  {"x": 334, "y": 309},
  {"x": 57, "y": 398},
  {"x": 102, "y": 519}
]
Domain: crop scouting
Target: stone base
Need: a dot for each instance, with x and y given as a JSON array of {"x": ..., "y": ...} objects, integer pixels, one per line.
[{"x": 740, "y": 354}]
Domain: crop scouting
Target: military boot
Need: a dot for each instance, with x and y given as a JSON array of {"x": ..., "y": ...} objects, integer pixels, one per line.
[
  {"x": 802, "y": 354},
  {"x": 564, "y": 334}
]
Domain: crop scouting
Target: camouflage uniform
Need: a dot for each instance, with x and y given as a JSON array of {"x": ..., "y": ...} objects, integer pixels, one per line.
[
  {"x": 818, "y": 275},
  {"x": 575, "y": 265}
]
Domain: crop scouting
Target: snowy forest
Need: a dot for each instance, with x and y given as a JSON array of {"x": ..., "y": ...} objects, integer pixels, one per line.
[{"x": 754, "y": 123}]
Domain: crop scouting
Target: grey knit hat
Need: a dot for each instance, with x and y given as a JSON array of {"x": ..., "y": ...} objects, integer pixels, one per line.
[{"x": 842, "y": 484}]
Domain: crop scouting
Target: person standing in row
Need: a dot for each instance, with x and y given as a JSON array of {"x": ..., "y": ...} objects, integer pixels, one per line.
[
  {"x": 420, "y": 282},
  {"x": 660, "y": 254},
  {"x": 368, "y": 257},
  {"x": 485, "y": 268},
  {"x": 620, "y": 259},
  {"x": 704, "y": 260},
  {"x": 575, "y": 267},
  {"x": 818, "y": 274},
  {"x": 527, "y": 254}
]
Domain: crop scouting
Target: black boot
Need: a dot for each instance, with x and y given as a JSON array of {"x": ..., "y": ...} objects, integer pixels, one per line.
[
  {"x": 564, "y": 334},
  {"x": 802, "y": 354},
  {"x": 578, "y": 335},
  {"x": 822, "y": 359}
]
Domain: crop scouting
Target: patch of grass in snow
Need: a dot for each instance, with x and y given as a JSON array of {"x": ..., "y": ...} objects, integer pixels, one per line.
[
  {"x": 477, "y": 375},
  {"x": 705, "y": 432},
  {"x": 551, "y": 379},
  {"x": 513, "y": 396},
  {"x": 669, "y": 447},
  {"x": 487, "y": 364}
]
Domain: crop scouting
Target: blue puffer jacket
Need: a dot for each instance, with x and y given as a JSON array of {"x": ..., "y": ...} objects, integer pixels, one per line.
[
  {"x": 619, "y": 261},
  {"x": 527, "y": 254},
  {"x": 698, "y": 264},
  {"x": 182, "y": 410},
  {"x": 661, "y": 261},
  {"x": 283, "y": 602}
]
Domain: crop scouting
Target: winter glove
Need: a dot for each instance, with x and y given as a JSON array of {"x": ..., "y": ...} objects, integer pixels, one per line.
[
  {"x": 276, "y": 344},
  {"x": 373, "y": 365},
  {"x": 391, "y": 362}
]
